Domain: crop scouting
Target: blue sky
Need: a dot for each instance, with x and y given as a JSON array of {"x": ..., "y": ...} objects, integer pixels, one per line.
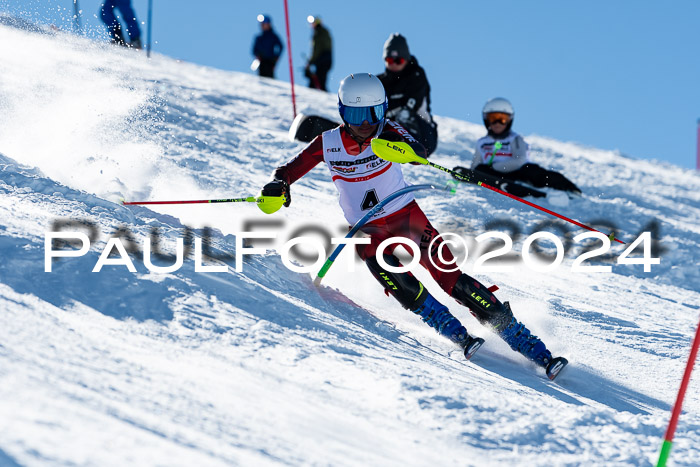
[{"x": 610, "y": 74}]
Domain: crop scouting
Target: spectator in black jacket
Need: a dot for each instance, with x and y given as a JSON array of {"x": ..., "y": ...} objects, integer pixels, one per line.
[
  {"x": 321, "y": 59},
  {"x": 267, "y": 48},
  {"x": 408, "y": 91}
]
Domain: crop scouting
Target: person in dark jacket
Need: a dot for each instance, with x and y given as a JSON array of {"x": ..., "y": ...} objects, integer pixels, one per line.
[
  {"x": 321, "y": 59},
  {"x": 267, "y": 47},
  {"x": 114, "y": 27},
  {"x": 408, "y": 91}
]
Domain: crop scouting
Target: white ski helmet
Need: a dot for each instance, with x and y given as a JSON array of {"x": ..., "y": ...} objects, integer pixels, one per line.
[
  {"x": 361, "y": 97},
  {"x": 498, "y": 105}
]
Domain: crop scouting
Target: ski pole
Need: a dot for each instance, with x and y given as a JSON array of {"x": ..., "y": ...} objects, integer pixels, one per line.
[
  {"x": 249, "y": 199},
  {"x": 668, "y": 437},
  {"x": 267, "y": 204},
  {"x": 401, "y": 153},
  {"x": 329, "y": 262},
  {"x": 150, "y": 25},
  {"x": 76, "y": 17}
]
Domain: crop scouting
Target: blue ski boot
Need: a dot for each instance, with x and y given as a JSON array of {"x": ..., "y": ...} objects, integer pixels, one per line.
[
  {"x": 438, "y": 316},
  {"x": 519, "y": 338}
]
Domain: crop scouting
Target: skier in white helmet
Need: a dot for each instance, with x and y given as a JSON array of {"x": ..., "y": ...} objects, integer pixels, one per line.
[
  {"x": 363, "y": 180},
  {"x": 504, "y": 154}
]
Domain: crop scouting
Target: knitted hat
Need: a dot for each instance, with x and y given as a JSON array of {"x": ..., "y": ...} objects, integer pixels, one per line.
[{"x": 396, "y": 46}]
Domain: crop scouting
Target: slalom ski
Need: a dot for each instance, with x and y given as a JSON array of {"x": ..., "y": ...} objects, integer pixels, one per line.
[
  {"x": 471, "y": 346},
  {"x": 555, "y": 367}
]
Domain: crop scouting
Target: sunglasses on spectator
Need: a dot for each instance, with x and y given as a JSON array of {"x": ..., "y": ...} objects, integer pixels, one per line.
[
  {"x": 498, "y": 117},
  {"x": 395, "y": 61}
]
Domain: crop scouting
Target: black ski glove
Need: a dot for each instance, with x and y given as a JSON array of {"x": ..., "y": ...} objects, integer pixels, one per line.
[
  {"x": 462, "y": 171},
  {"x": 278, "y": 188},
  {"x": 471, "y": 176}
]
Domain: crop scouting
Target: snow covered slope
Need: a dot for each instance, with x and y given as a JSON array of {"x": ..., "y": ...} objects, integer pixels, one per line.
[{"x": 258, "y": 367}]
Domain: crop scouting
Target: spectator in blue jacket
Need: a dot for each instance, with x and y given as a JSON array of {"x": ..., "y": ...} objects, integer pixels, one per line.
[
  {"x": 114, "y": 27},
  {"x": 267, "y": 48}
]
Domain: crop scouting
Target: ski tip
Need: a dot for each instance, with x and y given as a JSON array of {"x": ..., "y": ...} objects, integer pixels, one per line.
[
  {"x": 574, "y": 194},
  {"x": 472, "y": 346},
  {"x": 555, "y": 366}
]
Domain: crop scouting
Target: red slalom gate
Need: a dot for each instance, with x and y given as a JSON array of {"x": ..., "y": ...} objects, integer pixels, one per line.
[
  {"x": 289, "y": 54},
  {"x": 668, "y": 437}
]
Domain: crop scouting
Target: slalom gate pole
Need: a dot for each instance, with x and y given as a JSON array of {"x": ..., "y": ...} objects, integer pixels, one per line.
[
  {"x": 668, "y": 437},
  {"x": 697, "y": 160},
  {"x": 150, "y": 23},
  {"x": 329, "y": 262},
  {"x": 289, "y": 54},
  {"x": 401, "y": 152},
  {"x": 249, "y": 199}
]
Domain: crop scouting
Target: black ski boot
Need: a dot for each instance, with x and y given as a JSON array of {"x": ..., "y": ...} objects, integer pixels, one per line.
[
  {"x": 136, "y": 44},
  {"x": 116, "y": 35}
]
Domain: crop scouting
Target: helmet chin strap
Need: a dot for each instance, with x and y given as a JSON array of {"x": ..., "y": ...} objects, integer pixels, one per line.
[{"x": 380, "y": 128}]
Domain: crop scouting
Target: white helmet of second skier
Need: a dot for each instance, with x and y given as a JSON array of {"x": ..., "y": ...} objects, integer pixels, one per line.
[
  {"x": 361, "y": 98},
  {"x": 498, "y": 109}
]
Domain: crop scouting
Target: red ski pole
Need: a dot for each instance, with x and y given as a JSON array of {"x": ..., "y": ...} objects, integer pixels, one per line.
[
  {"x": 402, "y": 153},
  {"x": 543, "y": 209},
  {"x": 289, "y": 54}
]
